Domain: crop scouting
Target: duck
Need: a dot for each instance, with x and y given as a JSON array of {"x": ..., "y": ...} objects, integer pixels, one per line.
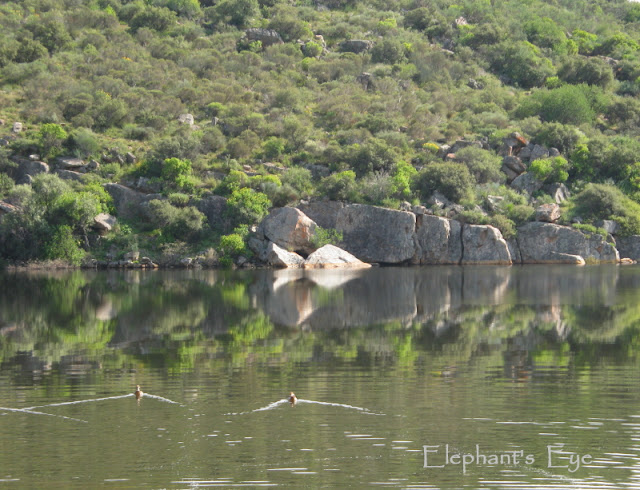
[
  {"x": 292, "y": 398},
  {"x": 138, "y": 392}
]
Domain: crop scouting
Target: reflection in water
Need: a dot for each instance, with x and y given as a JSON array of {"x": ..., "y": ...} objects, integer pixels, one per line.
[{"x": 505, "y": 358}]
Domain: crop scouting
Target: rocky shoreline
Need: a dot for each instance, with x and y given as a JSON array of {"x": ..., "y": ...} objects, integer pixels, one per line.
[{"x": 376, "y": 235}]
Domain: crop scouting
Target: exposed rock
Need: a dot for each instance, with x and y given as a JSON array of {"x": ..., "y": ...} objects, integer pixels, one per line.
[
  {"x": 526, "y": 182},
  {"x": 559, "y": 192},
  {"x": 562, "y": 258},
  {"x": 608, "y": 225},
  {"x": 542, "y": 242},
  {"x": 514, "y": 251},
  {"x": 419, "y": 210},
  {"x": 318, "y": 171},
  {"x": 629, "y": 246},
  {"x": 324, "y": 213},
  {"x": 474, "y": 84},
  {"x": 29, "y": 168},
  {"x": 104, "y": 222},
  {"x": 127, "y": 201},
  {"x": 148, "y": 185},
  {"x": 548, "y": 213},
  {"x": 69, "y": 163},
  {"x": 512, "y": 166},
  {"x": 273, "y": 168},
  {"x": 5, "y": 208},
  {"x": 186, "y": 119},
  {"x": 133, "y": 256},
  {"x": 17, "y": 127},
  {"x": 438, "y": 200},
  {"x": 69, "y": 175},
  {"x": 483, "y": 244},
  {"x": 278, "y": 257},
  {"x": 213, "y": 207},
  {"x": 406, "y": 206},
  {"x": 525, "y": 153},
  {"x": 554, "y": 152},
  {"x": 130, "y": 158},
  {"x": 290, "y": 228},
  {"x": 460, "y": 144},
  {"x": 93, "y": 165},
  {"x": 494, "y": 202},
  {"x": 538, "y": 152},
  {"x": 438, "y": 240},
  {"x": 356, "y": 46},
  {"x": 443, "y": 151},
  {"x": 365, "y": 79},
  {"x": 332, "y": 257},
  {"x": 375, "y": 234},
  {"x": 267, "y": 37}
]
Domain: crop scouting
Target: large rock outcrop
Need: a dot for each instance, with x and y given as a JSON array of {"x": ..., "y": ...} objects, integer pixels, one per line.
[
  {"x": 213, "y": 207},
  {"x": 438, "y": 240},
  {"x": 629, "y": 247},
  {"x": 484, "y": 244},
  {"x": 127, "y": 201},
  {"x": 324, "y": 213},
  {"x": 542, "y": 243},
  {"x": 376, "y": 234},
  {"x": 279, "y": 257},
  {"x": 289, "y": 228}
]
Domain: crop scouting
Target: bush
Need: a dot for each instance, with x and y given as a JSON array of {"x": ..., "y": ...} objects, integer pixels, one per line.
[
  {"x": 340, "y": 186},
  {"x": 246, "y": 206},
  {"x": 567, "y": 105},
  {"x": 550, "y": 170},
  {"x": 326, "y": 236},
  {"x": 602, "y": 201},
  {"x": 561, "y": 136},
  {"x": 483, "y": 165},
  {"x": 51, "y": 137},
  {"x": 63, "y": 245},
  {"x": 183, "y": 223},
  {"x": 453, "y": 180}
]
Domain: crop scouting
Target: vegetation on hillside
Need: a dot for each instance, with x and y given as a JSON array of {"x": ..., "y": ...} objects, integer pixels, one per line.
[{"x": 307, "y": 117}]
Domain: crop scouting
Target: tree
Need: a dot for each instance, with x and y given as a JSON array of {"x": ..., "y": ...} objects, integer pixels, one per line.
[
  {"x": 453, "y": 180},
  {"x": 246, "y": 206},
  {"x": 51, "y": 137}
]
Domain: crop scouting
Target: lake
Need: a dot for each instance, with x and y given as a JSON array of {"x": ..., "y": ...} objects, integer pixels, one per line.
[{"x": 435, "y": 377}]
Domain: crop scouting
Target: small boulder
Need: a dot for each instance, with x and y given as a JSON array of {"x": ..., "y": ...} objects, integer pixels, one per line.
[
  {"x": 538, "y": 152},
  {"x": 70, "y": 163},
  {"x": 69, "y": 175},
  {"x": 267, "y": 37},
  {"x": 278, "y": 257},
  {"x": 356, "y": 46},
  {"x": 558, "y": 192},
  {"x": 17, "y": 127},
  {"x": 608, "y": 225},
  {"x": 332, "y": 257},
  {"x": 549, "y": 213},
  {"x": 104, "y": 222},
  {"x": 526, "y": 182},
  {"x": 186, "y": 119}
]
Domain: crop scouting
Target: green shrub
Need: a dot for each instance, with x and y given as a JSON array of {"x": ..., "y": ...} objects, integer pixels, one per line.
[
  {"x": 64, "y": 245},
  {"x": 184, "y": 223},
  {"x": 51, "y": 137},
  {"x": 549, "y": 170},
  {"x": 326, "y": 236},
  {"x": 453, "y": 180},
  {"x": 246, "y": 206},
  {"x": 483, "y": 165},
  {"x": 602, "y": 201},
  {"x": 340, "y": 186}
]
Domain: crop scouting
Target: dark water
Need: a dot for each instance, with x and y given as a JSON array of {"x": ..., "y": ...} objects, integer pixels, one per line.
[{"x": 529, "y": 374}]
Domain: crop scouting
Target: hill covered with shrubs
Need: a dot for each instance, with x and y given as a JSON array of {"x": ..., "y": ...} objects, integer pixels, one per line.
[{"x": 481, "y": 110}]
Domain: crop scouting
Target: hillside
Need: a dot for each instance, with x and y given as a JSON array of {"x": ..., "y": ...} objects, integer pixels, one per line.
[{"x": 496, "y": 107}]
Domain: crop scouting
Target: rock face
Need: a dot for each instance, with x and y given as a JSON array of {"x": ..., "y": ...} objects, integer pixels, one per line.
[
  {"x": 29, "y": 168},
  {"x": 289, "y": 228},
  {"x": 483, "y": 244},
  {"x": 332, "y": 257},
  {"x": 6, "y": 208},
  {"x": 70, "y": 163},
  {"x": 438, "y": 240},
  {"x": 213, "y": 207},
  {"x": 548, "y": 243},
  {"x": 266, "y": 36},
  {"x": 376, "y": 234},
  {"x": 629, "y": 247},
  {"x": 356, "y": 46},
  {"x": 278, "y": 257},
  {"x": 324, "y": 213},
  {"x": 127, "y": 201},
  {"x": 526, "y": 182},
  {"x": 69, "y": 175}
]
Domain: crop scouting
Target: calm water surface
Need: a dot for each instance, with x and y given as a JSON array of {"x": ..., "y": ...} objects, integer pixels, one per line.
[{"x": 527, "y": 374}]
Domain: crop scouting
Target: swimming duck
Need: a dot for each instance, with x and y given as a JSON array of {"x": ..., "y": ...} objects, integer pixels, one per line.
[
  {"x": 138, "y": 392},
  {"x": 292, "y": 398}
]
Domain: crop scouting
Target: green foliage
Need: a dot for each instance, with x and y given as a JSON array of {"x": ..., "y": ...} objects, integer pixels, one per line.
[
  {"x": 387, "y": 51},
  {"x": 6, "y": 185},
  {"x": 453, "y": 180},
  {"x": 549, "y": 170},
  {"x": 235, "y": 12},
  {"x": 63, "y": 245},
  {"x": 521, "y": 63},
  {"x": 232, "y": 245},
  {"x": 340, "y": 186},
  {"x": 603, "y": 201},
  {"x": 184, "y": 223},
  {"x": 326, "y": 236},
  {"x": 401, "y": 178},
  {"x": 483, "y": 165},
  {"x": 51, "y": 137},
  {"x": 567, "y": 104},
  {"x": 246, "y": 206},
  {"x": 177, "y": 174},
  {"x": 560, "y": 136}
]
